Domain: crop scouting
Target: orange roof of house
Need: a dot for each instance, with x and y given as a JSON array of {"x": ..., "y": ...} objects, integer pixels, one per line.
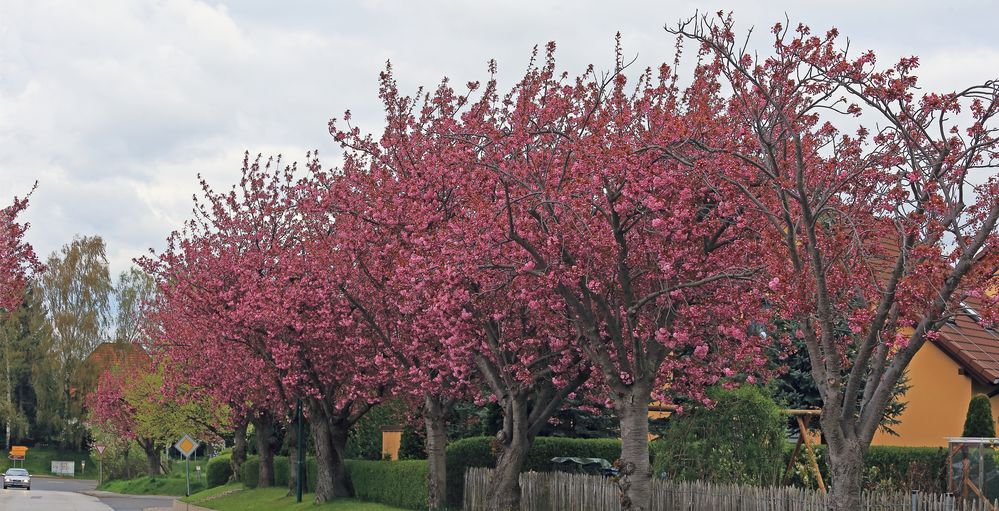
[
  {"x": 975, "y": 347},
  {"x": 106, "y": 356},
  {"x": 110, "y": 354},
  {"x": 964, "y": 339}
]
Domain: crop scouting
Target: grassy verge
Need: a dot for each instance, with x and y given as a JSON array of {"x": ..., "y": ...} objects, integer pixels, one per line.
[
  {"x": 39, "y": 461},
  {"x": 274, "y": 499},
  {"x": 174, "y": 483},
  {"x": 146, "y": 485}
]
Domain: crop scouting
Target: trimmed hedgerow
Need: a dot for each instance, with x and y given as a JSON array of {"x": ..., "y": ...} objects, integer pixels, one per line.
[
  {"x": 478, "y": 452},
  {"x": 393, "y": 483},
  {"x": 251, "y": 471},
  {"x": 885, "y": 467},
  {"x": 281, "y": 471}
]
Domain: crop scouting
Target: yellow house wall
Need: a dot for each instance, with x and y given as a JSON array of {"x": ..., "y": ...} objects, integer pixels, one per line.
[{"x": 937, "y": 401}]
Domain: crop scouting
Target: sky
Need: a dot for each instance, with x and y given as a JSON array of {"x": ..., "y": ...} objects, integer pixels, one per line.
[{"x": 115, "y": 107}]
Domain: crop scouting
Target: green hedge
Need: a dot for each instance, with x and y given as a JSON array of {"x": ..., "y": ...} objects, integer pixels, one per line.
[
  {"x": 251, "y": 471},
  {"x": 282, "y": 467},
  {"x": 393, "y": 483},
  {"x": 312, "y": 474},
  {"x": 219, "y": 470},
  {"x": 478, "y": 452},
  {"x": 885, "y": 467},
  {"x": 904, "y": 468},
  {"x": 281, "y": 471}
]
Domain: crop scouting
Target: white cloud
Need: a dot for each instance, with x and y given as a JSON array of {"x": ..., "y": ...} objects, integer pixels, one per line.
[{"x": 115, "y": 106}]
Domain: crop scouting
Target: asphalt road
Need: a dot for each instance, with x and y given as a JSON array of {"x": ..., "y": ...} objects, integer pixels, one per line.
[{"x": 52, "y": 494}]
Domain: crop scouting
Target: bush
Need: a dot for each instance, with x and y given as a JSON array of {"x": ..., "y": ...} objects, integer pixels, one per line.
[
  {"x": 394, "y": 483},
  {"x": 478, "y": 452},
  {"x": 251, "y": 471},
  {"x": 740, "y": 440},
  {"x": 118, "y": 464},
  {"x": 219, "y": 470},
  {"x": 979, "y": 422}
]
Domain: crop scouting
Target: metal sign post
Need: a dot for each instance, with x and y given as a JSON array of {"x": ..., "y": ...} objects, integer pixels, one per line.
[
  {"x": 187, "y": 446},
  {"x": 100, "y": 462}
]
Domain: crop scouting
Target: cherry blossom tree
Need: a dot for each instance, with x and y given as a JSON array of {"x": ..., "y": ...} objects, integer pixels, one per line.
[
  {"x": 249, "y": 294},
  {"x": 451, "y": 328},
  {"x": 874, "y": 238},
  {"x": 390, "y": 287},
  {"x": 132, "y": 402},
  {"x": 17, "y": 258},
  {"x": 580, "y": 239}
]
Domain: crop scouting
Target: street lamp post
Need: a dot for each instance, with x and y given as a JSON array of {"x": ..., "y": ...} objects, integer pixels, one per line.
[{"x": 301, "y": 454}]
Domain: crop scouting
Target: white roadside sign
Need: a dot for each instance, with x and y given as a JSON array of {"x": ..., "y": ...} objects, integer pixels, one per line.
[{"x": 63, "y": 468}]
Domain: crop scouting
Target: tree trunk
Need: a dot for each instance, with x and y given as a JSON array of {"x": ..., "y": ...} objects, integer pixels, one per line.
[
  {"x": 238, "y": 451},
  {"x": 846, "y": 464},
  {"x": 264, "y": 427},
  {"x": 433, "y": 415},
  {"x": 293, "y": 454},
  {"x": 152, "y": 457},
  {"x": 635, "y": 478},
  {"x": 503, "y": 493},
  {"x": 512, "y": 444},
  {"x": 330, "y": 439}
]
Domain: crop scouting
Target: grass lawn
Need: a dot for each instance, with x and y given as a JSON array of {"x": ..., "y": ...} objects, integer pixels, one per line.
[
  {"x": 39, "y": 461},
  {"x": 275, "y": 499}
]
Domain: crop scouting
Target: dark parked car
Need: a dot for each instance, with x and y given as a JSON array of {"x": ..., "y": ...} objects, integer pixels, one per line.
[
  {"x": 592, "y": 466},
  {"x": 16, "y": 477}
]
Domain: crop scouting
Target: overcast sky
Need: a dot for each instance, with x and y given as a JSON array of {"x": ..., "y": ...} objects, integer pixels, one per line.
[{"x": 114, "y": 107}]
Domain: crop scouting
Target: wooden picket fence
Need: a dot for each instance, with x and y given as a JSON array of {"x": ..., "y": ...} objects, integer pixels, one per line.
[{"x": 558, "y": 491}]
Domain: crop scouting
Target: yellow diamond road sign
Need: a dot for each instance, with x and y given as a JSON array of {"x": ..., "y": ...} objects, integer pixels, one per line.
[{"x": 187, "y": 446}]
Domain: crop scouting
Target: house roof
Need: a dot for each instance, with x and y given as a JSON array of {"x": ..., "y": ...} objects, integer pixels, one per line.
[
  {"x": 964, "y": 339},
  {"x": 975, "y": 347},
  {"x": 110, "y": 354}
]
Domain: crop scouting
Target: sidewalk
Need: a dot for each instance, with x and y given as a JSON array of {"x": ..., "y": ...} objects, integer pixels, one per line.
[{"x": 128, "y": 501}]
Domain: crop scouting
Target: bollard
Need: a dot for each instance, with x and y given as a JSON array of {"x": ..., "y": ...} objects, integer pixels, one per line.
[{"x": 915, "y": 500}]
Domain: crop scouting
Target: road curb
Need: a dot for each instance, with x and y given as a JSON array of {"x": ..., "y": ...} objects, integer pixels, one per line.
[
  {"x": 109, "y": 494},
  {"x": 187, "y": 506}
]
